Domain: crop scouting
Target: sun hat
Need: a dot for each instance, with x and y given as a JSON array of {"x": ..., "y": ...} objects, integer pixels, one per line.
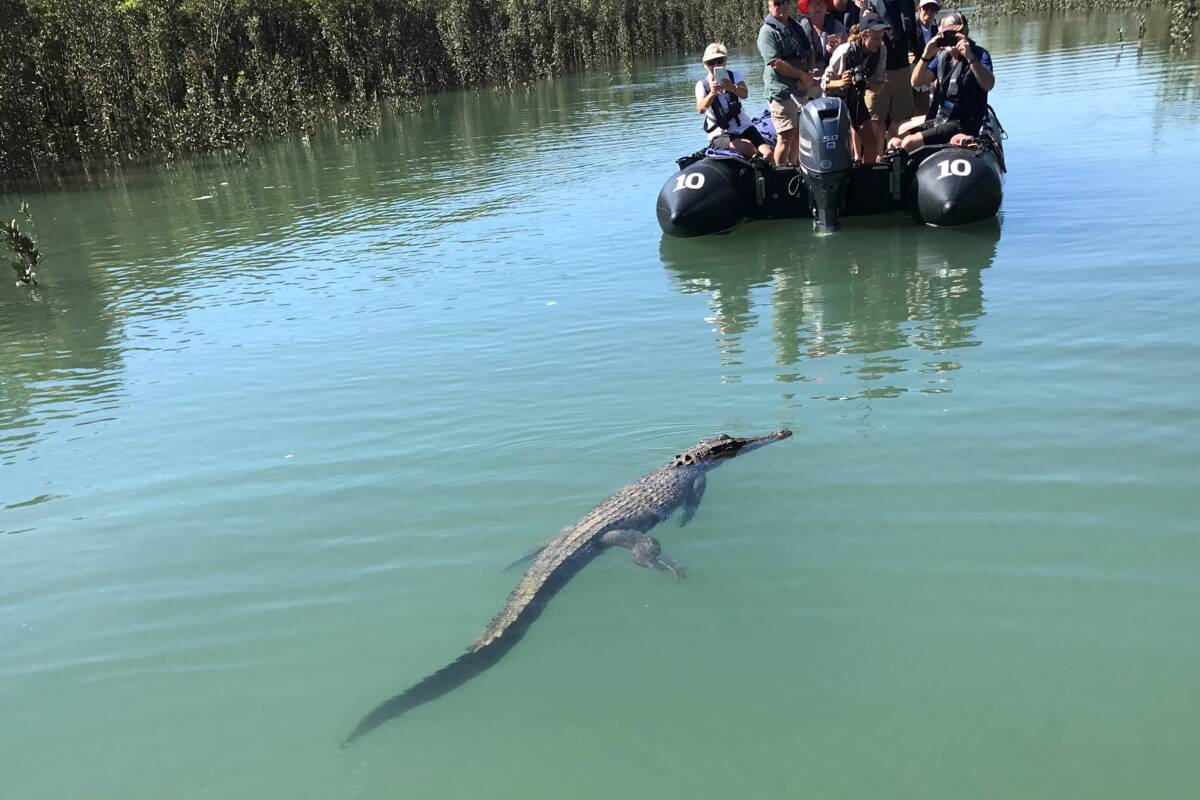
[{"x": 714, "y": 51}]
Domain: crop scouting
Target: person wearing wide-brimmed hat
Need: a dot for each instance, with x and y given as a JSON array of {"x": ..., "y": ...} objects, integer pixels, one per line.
[{"x": 720, "y": 101}]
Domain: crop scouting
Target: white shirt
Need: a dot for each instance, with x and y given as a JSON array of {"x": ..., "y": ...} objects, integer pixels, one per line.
[
  {"x": 710, "y": 118},
  {"x": 837, "y": 65}
]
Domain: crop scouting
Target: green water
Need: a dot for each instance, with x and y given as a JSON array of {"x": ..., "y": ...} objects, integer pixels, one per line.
[{"x": 269, "y": 431}]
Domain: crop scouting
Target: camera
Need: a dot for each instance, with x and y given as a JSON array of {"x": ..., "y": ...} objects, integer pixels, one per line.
[
  {"x": 947, "y": 39},
  {"x": 859, "y": 77}
]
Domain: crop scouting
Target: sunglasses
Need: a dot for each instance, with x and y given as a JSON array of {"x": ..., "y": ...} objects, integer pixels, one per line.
[{"x": 720, "y": 62}]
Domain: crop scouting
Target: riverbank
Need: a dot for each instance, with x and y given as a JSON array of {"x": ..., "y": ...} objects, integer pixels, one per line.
[
  {"x": 97, "y": 79},
  {"x": 94, "y": 81}
]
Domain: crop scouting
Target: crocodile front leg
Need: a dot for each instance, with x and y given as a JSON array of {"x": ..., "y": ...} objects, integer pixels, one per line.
[
  {"x": 647, "y": 552},
  {"x": 692, "y": 501}
]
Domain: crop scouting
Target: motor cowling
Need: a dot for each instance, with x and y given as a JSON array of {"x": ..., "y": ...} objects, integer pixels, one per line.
[
  {"x": 704, "y": 197},
  {"x": 825, "y": 157},
  {"x": 957, "y": 186}
]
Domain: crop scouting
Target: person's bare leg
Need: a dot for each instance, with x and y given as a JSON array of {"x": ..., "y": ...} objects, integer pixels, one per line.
[
  {"x": 743, "y": 147},
  {"x": 781, "y": 149},
  {"x": 909, "y": 124},
  {"x": 872, "y": 135},
  {"x": 894, "y": 139},
  {"x": 856, "y": 145},
  {"x": 786, "y": 147},
  {"x": 912, "y": 142}
]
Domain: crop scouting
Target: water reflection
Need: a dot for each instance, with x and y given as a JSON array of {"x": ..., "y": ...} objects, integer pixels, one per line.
[
  {"x": 1075, "y": 47},
  {"x": 60, "y": 359},
  {"x": 886, "y": 296},
  {"x": 131, "y": 253}
]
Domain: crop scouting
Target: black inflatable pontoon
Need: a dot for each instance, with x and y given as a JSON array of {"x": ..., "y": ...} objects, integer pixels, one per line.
[{"x": 713, "y": 191}]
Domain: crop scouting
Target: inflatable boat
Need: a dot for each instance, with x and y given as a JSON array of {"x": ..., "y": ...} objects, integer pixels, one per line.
[{"x": 715, "y": 190}]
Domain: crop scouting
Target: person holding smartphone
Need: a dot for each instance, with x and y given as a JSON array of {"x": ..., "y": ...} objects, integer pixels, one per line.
[
  {"x": 719, "y": 98},
  {"x": 964, "y": 78},
  {"x": 825, "y": 33}
]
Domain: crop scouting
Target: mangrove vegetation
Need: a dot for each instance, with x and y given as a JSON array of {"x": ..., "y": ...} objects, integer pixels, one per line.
[
  {"x": 24, "y": 247},
  {"x": 86, "y": 80},
  {"x": 99, "y": 79}
]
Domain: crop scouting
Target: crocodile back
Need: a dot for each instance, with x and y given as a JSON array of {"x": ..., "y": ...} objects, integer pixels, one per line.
[{"x": 639, "y": 506}]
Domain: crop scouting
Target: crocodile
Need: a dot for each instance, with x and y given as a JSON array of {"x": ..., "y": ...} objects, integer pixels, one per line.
[{"x": 620, "y": 521}]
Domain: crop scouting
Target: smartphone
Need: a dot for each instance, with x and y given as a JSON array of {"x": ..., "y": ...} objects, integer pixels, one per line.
[{"x": 721, "y": 74}]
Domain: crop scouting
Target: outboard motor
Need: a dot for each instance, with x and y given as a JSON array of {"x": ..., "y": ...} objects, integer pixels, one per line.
[
  {"x": 703, "y": 197},
  {"x": 825, "y": 157},
  {"x": 956, "y": 186}
]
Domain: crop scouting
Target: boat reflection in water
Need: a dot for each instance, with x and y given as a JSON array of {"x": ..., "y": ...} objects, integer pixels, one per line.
[{"x": 874, "y": 312}]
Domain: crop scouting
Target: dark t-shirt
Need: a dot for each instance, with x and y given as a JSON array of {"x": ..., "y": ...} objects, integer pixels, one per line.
[
  {"x": 849, "y": 16},
  {"x": 903, "y": 38}
]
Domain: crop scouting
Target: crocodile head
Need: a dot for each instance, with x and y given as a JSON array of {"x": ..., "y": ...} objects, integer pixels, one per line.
[{"x": 712, "y": 451}]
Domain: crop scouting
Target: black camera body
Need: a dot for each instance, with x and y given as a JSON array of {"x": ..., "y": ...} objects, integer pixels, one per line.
[
  {"x": 858, "y": 77},
  {"x": 947, "y": 39}
]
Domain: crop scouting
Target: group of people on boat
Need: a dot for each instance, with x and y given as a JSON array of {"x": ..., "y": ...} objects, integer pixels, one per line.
[{"x": 908, "y": 79}]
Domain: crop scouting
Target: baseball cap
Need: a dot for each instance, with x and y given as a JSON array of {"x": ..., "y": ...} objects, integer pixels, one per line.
[
  {"x": 870, "y": 21},
  {"x": 952, "y": 21}
]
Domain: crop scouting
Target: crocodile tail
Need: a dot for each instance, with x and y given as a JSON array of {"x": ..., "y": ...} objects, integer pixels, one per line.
[
  {"x": 446, "y": 679},
  {"x": 477, "y": 659}
]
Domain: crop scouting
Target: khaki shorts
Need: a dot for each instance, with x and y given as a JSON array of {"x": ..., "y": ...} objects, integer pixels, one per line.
[
  {"x": 785, "y": 114},
  {"x": 895, "y": 100}
]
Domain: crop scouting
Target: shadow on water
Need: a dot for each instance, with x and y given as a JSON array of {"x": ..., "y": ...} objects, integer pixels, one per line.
[
  {"x": 59, "y": 357},
  {"x": 885, "y": 296}
]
